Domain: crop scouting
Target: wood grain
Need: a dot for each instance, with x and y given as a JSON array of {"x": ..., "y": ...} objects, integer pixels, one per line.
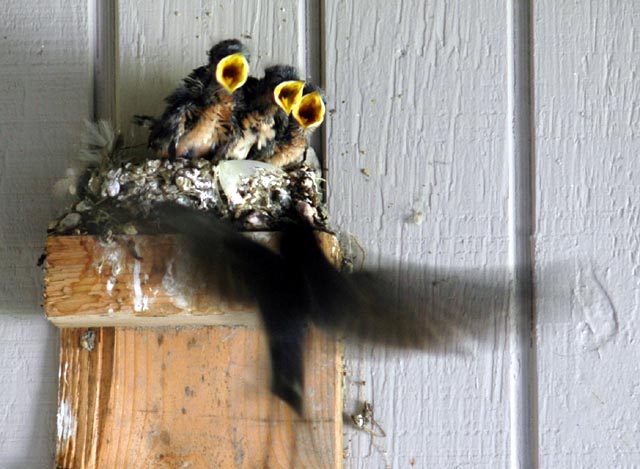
[
  {"x": 180, "y": 397},
  {"x": 138, "y": 281},
  {"x": 192, "y": 397}
]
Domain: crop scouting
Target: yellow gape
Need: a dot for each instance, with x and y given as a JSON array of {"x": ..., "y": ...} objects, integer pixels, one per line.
[
  {"x": 310, "y": 110},
  {"x": 232, "y": 72},
  {"x": 288, "y": 94}
]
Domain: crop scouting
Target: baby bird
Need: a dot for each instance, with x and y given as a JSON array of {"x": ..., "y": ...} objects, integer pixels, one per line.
[
  {"x": 200, "y": 113},
  {"x": 291, "y": 143},
  {"x": 268, "y": 102}
]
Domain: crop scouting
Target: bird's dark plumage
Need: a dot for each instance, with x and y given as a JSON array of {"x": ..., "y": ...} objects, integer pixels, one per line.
[
  {"x": 201, "y": 113},
  {"x": 293, "y": 139},
  {"x": 263, "y": 115},
  {"x": 239, "y": 269}
]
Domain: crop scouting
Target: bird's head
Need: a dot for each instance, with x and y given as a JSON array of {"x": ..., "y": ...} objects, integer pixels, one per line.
[
  {"x": 282, "y": 81},
  {"x": 230, "y": 60},
  {"x": 288, "y": 94},
  {"x": 310, "y": 109}
]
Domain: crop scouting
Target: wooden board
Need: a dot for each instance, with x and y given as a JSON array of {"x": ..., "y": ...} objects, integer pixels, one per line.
[
  {"x": 137, "y": 281},
  {"x": 192, "y": 397},
  {"x": 177, "y": 397}
]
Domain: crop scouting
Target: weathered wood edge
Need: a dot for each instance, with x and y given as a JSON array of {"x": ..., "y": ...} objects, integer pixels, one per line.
[{"x": 139, "y": 280}]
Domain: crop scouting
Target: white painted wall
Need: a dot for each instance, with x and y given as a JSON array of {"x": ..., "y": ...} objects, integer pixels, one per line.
[
  {"x": 45, "y": 93},
  {"x": 588, "y": 231},
  {"x": 420, "y": 99}
]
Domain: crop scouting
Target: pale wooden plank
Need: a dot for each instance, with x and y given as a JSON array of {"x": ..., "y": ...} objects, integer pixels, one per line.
[
  {"x": 139, "y": 281},
  {"x": 124, "y": 402},
  {"x": 587, "y": 187},
  {"x": 45, "y": 93},
  {"x": 416, "y": 141},
  {"x": 29, "y": 371},
  {"x": 192, "y": 397}
]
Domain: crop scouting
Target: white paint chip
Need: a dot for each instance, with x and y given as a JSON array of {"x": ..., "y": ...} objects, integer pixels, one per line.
[
  {"x": 175, "y": 289},
  {"x": 601, "y": 323},
  {"x": 140, "y": 301},
  {"x": 111, "y": 263},
  {"x": 66, "y": 422},
  {"x": 110, "y": 284}
]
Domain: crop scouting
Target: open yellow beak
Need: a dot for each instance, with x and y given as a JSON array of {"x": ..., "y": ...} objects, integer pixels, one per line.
[
  {"x": 288, "y": 94},
  {"x": 232, "y": 72},
  {"x": 309, "y": 112}
]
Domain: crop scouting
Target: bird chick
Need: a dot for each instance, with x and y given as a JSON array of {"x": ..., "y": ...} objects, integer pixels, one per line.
[
  {"x": 308, "y": 114},
  {"x": 268, "y": 103},
  {"x": 200, "y": 113}
]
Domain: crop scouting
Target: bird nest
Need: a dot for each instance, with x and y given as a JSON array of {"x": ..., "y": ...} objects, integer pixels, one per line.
[
  {"x": 227, "y": 143},
  {"x": 116, "y": 193}
]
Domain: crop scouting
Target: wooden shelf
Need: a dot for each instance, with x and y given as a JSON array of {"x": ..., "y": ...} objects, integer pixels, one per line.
[
  {"x": 137, "y": 281},
  {"x": 163, "y": 396}
]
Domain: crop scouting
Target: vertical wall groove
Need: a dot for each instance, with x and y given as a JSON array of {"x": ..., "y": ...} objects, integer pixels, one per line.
[
  {"x": 104, "y": 18},
  {"x": 311, "y": 12},
  {"x": 523, "y": 405}
]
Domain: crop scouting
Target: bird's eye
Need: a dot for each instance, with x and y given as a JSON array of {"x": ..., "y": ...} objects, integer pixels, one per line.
[
  {"x": 232, "y": 72},
  {"x": 310, "y": 111}
]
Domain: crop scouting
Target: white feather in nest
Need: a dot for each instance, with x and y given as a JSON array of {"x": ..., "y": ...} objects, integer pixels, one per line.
[
  {"x": 99, "y": 140},
  {"x": 99, "y": 143}
]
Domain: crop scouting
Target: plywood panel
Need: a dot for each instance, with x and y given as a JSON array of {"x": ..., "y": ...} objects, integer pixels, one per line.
[
  {"x": 191, "y": 397},
  {"x": 417, "y": 171},
  {"x": 587, "y": 190}
]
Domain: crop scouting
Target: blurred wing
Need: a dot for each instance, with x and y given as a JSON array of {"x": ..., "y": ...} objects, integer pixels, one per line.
[
  {"x": 234, "y": 266},
  {"x": 409, "y": 309},
  {"x": 239, "y": 269},
  {"x": 360, "y": 306},
  {"x": 286, "y": 327}
]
